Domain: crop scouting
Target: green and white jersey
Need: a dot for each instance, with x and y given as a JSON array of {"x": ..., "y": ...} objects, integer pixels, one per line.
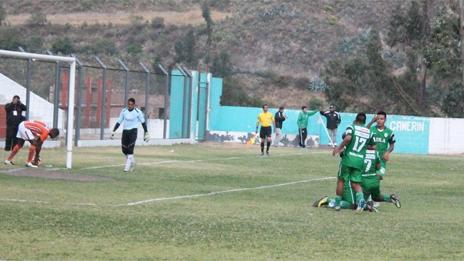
[
  {"x": 382, "y": 139},
  {"x": 371, "y": 160},
  {"x": 353, "y": 156}
]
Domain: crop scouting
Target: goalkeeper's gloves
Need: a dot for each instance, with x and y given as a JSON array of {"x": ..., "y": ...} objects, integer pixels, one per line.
[
  {"x": 112, "y": 135},
  {"x": 146, "y": 137}
]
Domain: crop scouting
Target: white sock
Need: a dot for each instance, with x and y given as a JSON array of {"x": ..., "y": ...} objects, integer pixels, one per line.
[
  {"x": 128, "y": 163},
  {"x": 131, "y": 158}
]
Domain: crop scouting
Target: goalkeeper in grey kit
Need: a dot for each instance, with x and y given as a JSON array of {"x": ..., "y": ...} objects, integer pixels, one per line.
[{"x": 130, "y": 118}]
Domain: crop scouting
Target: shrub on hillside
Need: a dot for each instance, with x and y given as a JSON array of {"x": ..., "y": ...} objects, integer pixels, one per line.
[
  {"x": 10, "y": 38},
  {"x": 37, "y": 18},
  {"x": 63, "y": 46}
]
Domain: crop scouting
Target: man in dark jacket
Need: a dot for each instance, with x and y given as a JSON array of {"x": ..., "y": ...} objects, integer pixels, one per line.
[
  {"x": 333, "y": 120},
  {"x": 15, "y": 112},
  {"x": 279, "y": 118}
]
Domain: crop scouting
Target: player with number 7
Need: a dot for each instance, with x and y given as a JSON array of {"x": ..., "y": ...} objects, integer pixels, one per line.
[{"x": 355, "y": 142}]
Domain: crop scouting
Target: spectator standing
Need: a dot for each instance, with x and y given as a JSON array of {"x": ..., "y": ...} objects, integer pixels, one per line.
[
  {"x": 302, "y": 123},
  {"x": 333, "y": 120},
  {"x": 279, "y": 118},
  {"x": 15, "y": 112}
]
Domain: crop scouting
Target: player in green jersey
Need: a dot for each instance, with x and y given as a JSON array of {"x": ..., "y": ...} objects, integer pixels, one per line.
[
  {"x": 372, "y": 175},
  {"x": 354, "y": 145},
  {"x": 383, "y": 137},
  {"x": 347, "y": 201}
]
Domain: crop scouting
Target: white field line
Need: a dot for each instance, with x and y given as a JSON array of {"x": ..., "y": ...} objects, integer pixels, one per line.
[
  {"x": 185, "y": 161},
  {"x": 16, "y": 200},
  {"x": 214, "y": 193},
  {"x": 182, "y": 196},
  {"x": 24, "y": 201},
  {"x": 224, "y": 191},
  {"x": 14, "y": 170}
]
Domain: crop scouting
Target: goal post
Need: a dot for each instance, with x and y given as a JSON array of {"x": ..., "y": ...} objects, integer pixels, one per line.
[{"x": 72, "y": 76}]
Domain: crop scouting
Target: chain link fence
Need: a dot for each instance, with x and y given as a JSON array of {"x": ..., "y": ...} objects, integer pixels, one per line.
[{"x": 101, "y": 93}]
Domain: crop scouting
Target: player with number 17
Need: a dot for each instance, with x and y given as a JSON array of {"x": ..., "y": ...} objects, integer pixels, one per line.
[{"x": 355, "y": 142}]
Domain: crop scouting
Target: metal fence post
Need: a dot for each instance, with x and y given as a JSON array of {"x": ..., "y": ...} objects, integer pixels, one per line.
[
  {"x": 184, "y": 101},
  {"x": 28, "y": 84},
  {"x": 103, "y": 99},
  {"x": 208, "y": 82},
  {"x": 147, "y": 87},
  {"x": 188, "y": 87},
  {"x": 80, "y": 83},
  {"x": 56, "y": 92},
  {"x": 126, "y": 80},
  {"x": 166, "y": 98}
]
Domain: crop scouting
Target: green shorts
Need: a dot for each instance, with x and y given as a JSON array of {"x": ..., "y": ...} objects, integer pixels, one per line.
[
  {"x": 350, "y": 174},
  {"x": 348, "y": 193},
  {"x": 371, "y": 187}
]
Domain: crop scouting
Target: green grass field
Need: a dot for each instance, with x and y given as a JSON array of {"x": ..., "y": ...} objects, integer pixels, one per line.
[{"x": 64, "y": 219}]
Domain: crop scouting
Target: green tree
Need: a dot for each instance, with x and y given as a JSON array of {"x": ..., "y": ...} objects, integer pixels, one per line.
[
  {"x": 63, "y": 46},
  {"x": 222, "y": 65},
  {"x": 134, "y": 49},
  {"x": 315, "y": 104},
  {"x": 34, "y": 44},
  {"x": 10, "y": 38},
  {"x": 397, "y": 32},
  {"x": 101, "y": 46},
  {"x": 185, "y": 49},
  {"x": 233, "y": 94},
  {"x": 453, "y": 104},
  {"x": 206, "y": 13},
  {"x": 414, "y": 23}
]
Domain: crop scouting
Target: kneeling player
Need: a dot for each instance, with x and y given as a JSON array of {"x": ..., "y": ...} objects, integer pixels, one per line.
[
  {"x": 347, "y": 201},
  {"x": 373, "y": 174},
  {"x": 354, "y": 145},
  {"x": 36, "y": 133}
]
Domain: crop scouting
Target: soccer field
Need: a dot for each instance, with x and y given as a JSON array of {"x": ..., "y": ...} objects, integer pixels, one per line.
[{"x": 223, "y": 202}]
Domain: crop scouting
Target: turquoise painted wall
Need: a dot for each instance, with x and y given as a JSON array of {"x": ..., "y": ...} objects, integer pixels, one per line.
[
  {"x": 202, "y": 106},
  {"x": 176, "y": 105},
  {"x": 412, "y": 133}
]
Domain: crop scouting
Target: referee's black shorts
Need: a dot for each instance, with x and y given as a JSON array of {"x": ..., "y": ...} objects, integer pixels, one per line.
[
  {"x": 129, "y": 137},
  {"x": 265, "y": 132}
]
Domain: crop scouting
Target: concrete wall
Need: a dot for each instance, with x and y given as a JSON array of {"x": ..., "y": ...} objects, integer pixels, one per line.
[
  {"x": 39, "y": 108},
  {"x": 446, "y": 136},
  {"x": 415, "y": 135}
]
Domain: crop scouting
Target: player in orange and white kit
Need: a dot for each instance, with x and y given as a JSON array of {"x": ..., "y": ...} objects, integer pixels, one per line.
[{"x": 36, "y": 132}]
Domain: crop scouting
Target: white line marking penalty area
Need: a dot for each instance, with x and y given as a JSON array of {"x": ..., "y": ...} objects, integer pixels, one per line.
[{"x": 146, "y": 201}]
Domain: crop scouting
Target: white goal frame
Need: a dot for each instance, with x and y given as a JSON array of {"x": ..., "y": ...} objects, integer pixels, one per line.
[{"x": 72, "y": 83}]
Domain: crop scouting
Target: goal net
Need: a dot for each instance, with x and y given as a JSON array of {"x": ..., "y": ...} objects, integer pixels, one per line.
[{"x": 37, "y": 79}]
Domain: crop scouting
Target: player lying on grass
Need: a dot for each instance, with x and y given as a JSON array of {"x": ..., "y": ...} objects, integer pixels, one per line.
[
  {"x": 371, "y": 177},
  {"x": 130, "y": 118},
  {"x": 36, "y": 133}
]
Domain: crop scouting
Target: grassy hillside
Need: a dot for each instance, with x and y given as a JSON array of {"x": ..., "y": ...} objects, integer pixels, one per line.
[{"x": 291, "y": 41}]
